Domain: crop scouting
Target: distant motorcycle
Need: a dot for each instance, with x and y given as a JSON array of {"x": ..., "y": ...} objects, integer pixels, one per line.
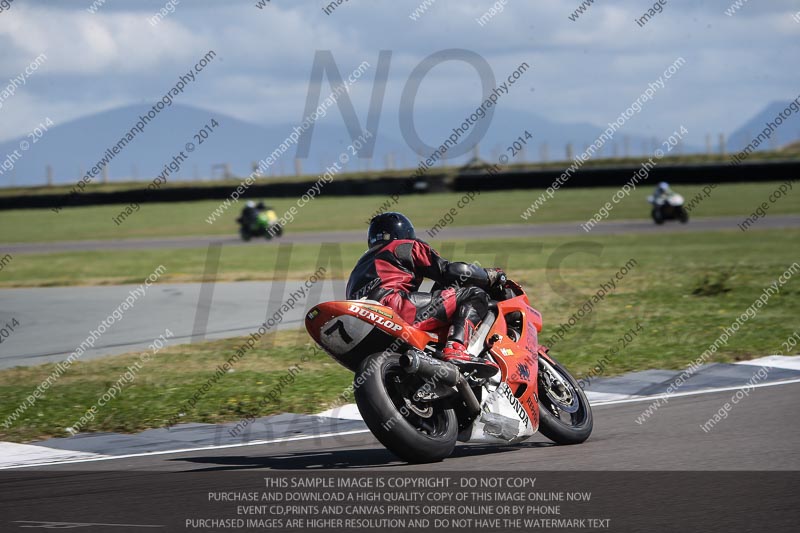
[
  {"x": 668, "y": 207},
  {"x": 265, "y": 224}
]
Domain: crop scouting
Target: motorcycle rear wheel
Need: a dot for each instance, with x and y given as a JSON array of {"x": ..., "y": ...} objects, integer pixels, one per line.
[
  {"x": 559, "y": 395},
  {"x": 413, "y": 431}
]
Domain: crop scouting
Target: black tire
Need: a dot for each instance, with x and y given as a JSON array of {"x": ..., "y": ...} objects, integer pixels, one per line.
[
  {"x": 553, "y": 427},
  {"x": 278, "y": 230},
  {"x": 409, "y": 436},
  {"x": 245, "y": 235},
  {"x": 658, "y": 218},
  {"x": 683, "y": 215}
]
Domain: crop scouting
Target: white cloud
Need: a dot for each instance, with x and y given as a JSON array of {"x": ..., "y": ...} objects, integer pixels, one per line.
[
  {"x": 583, "y": 71},
  {"x": 106, "y": 43}
]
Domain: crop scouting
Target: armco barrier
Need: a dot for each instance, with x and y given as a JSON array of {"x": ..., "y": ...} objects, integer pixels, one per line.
[
  {"x": 476, "y": 180},
  {"x": 262, "y": 190},
  {"x": 617, "y": 176}
]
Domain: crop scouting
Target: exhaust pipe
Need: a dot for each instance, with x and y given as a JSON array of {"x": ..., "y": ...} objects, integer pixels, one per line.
[
  {"x": 415, "y": 362},
  {"x": 427, "y": 367},
  {"x": 473, "y": 407}
]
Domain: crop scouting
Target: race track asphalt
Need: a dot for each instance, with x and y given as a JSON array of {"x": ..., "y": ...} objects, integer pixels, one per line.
[
  {"x": 757, "y": 435},
  {"x": 670, "y": 448},
  {"x": 54, "y": 321},
  {"x": 448, "y": 233}
]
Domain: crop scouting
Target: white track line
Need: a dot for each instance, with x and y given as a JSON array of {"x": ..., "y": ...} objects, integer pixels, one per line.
[
  {"x": 788, "y": 362},
  {"x": 186, "y": 450},
  {"x": 359, "y": 431},
  {"x": 694, "y": 393},
  {"x": 15, "y": 454}
]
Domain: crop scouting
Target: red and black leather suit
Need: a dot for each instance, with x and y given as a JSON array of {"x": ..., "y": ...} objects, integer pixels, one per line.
[{"x": 392, "y": 274}]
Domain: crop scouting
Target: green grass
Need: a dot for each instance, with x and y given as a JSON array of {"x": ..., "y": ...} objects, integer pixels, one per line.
[
  {"x": 237, "y": 263},
  {"x": 684, "y": 289},
  {"x": 161, "y": 386},
  {"x": 350, "y": 213},
  {"x": 241, "y": 263}
]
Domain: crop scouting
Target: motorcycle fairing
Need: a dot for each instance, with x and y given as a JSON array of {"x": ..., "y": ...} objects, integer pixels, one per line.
[
  {"x": 272, "y": 217},
  {"x": 351, "y": 330},
  {"x": 518, "y": 359},
  {"x": 503, "y": 419}
]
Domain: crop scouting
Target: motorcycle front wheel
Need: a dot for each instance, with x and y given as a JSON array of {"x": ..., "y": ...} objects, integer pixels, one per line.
[
  {"x": 565, "y": 416},
  {"x": 658, "y": 217},
  {"x": 414, "y": 431}
]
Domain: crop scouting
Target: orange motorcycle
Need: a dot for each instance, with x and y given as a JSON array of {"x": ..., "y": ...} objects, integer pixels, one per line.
[{"x": 419, "y": 406}]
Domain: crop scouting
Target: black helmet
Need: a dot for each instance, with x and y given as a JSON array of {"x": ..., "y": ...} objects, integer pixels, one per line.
[{"x": 388, "y": 227}]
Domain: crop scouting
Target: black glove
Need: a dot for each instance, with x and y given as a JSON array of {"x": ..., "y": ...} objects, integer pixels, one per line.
[{"x": 497, "y": 278}]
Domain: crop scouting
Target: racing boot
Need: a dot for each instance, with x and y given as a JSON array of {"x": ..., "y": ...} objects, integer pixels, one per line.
[{"x": 456, "y": 353}]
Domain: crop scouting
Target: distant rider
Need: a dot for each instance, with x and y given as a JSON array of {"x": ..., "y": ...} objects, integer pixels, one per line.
[
  {"x": 662, "y": 193},
  {"x": 392, "y": 270},
  {"x": 249, "y": 214}
]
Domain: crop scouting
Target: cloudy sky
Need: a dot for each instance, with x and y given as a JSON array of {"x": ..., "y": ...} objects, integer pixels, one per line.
[{"x": 587, "y": 70}]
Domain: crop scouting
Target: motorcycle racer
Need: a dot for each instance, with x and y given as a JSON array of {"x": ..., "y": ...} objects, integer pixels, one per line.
[
  {"x": 248, "y": 214},
  {"x": 662, "y": 191},
  {"x": 667, "y": 205},
  {"x": 392, "y": 270}
]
